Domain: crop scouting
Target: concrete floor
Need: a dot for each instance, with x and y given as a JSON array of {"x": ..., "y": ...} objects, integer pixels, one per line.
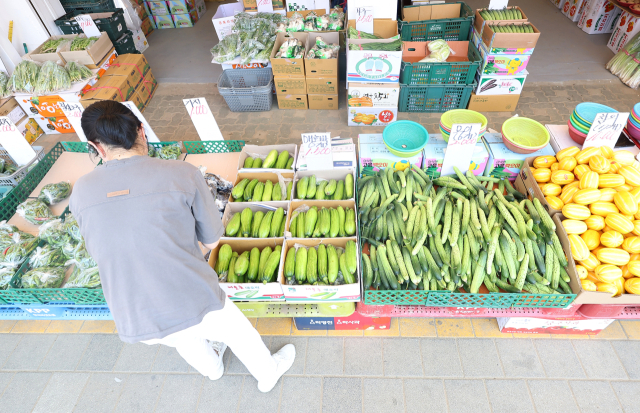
[{"x": 563, "y": 53}]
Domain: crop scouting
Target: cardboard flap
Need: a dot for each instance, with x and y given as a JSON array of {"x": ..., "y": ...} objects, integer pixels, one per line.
[
  {"x": 384, "y": 28},
  {"x": 510, "y": 40},
  {"x": 431, "y": 12},
  {"x": 413, "y": 52}
]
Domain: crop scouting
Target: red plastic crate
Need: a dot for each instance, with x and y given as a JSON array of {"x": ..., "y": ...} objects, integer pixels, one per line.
[
  {"x": 619, "y": 312},
  {"x": 460, "y": 312}
]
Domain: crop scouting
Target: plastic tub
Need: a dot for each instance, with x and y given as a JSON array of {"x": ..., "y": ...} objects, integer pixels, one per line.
[
  {"x": 247, "y": 90},
  {"x": 405, "y": 138}
]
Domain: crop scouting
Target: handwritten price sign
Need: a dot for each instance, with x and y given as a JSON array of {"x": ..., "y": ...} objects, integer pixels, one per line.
[
  {"x": 87, "y": 25},
  {"x": 265, "y": 6},
  {"x": 606, "y": 129},
  {"x": 203, "y": 119},
  {"x": 462, "y": 143},
  {"x": 316, "y": 148},
  {"x": 148, "y": 132},
  {"x": 73, "y": 112},
  {"x": 14, "y": 143},
  {"x": 364, "y": 19}
]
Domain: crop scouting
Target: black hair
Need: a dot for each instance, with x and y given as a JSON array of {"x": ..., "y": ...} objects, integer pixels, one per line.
[{"x": 111, "y": 123}]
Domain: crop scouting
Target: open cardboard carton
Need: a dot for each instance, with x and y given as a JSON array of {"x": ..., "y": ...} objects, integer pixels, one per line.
[
  {"x": 237, "y": 207},
  {"x": 223, "y": 164},
  {"x": 431, "y": 12},
  {"x": 263, "y": 150},
  {"x": 413, "y": 52},
  {"x": 480, "y": 22},
  {"x": 510, "y": 40},
  {"x": 319, "y": 293},
  {"x": 587, "y": 297},
  {"x": 286, "y": 66},
  {"x": 69, "y": 167},
  {"x": 92, "y": 56},
  {"x": 526, "y": 183},
  {"x": 384, "y": 28},
  {"x": 257, "y": 291},
  {"x": 264, "y": 177},
  {"x": 321, "y": 67},
  {"x": 324, "y": 175},
  {"x": 349, "y": 203}
]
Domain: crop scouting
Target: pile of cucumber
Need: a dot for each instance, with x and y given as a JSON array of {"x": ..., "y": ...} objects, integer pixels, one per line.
[
  {"x": 512, "y": 28},
  {"x": 502, "y": 14},
  {"x": 323, "y": 223},
  {"x": 462, "y": 235},
  {"x": 309, "y": 188},
  {"x": 246, "y": 224},
  {"x": 273, "y": 160},
  {"x": 256, "y": 191},
  {"x": 321, "y": 265},
  {"x": 249, "y": 267}
]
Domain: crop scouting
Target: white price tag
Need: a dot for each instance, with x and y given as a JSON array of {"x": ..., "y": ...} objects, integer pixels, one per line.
[
  {"x": 364, "y": 19},
  {"x": 148, "y": 132},
  {"x": 87, "y": 25},
  {"x": 316, "y": 149},
  {"x": 203, "y": 119},
  {"x": 498, "y": 4},
  {"x": 73, "y": 112},
  {"x": 606, "y": 129},
  {"x": 14, "y": 143},
  {"x": 462, "y": 143},
  {"x": 265, "y": 6}
]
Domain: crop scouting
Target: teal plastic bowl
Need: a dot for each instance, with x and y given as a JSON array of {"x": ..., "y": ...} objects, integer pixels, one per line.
[
  {"x": 4, "y": 190},
  {"x": 405, "y": 138}
]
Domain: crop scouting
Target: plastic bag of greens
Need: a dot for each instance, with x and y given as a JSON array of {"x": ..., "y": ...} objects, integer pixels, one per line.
[
  {"x": 82, "y": 257},
  {"x": 69, "y": 249},
  {"x": 84, "y": 278},
  {"x": 226, "y": 49},
  {"x": 336, "y": 13},
  {"x": 78, "y": 71},
  {"x": 24, "y": 77},
  {"x": 44, "y": 277},
  {"x": 35, "y": 211},
  {"x": 295, "y": 23},
  {"x": 52, "y": 78},
  {"x": 335, "y": 23},
  {"x": 54, "y": 233},
  {"x": 10, "y": 168},
  {"x": 7, "y": 228},
  {"x": 5, "y": 91},
  {"x": 6, "y": 274},
  {"x": 171, "y": 152},
  {"x": 152, "y": 150},
  {"x": 291, "y": 48},
  {"x": 51, "y": 194},
  {"x": 47, "y": 256},
  {"x": 72, "y": 228},
  {"x": 18, "y": 253},
  {"x": 322, "y": 22},
  {"x": 82, "y": 42},
  {"x": 249, "y": 50}
]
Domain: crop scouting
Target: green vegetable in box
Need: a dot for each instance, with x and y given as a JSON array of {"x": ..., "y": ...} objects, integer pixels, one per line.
[
  {"x": 6, "y": 274},
  {"x": 18, "y": 253},
  {"x": 51, "y": 45},
  {"x": 34, "y": 211},
  {"x": 323, "y": 50},
  {"x": 78, "y": 72},
  {"x": 53, "y": 233},
  {"x": 291, "y": 48},
  {"x": 52, "y": 78},
  {"x": 81, "y": 42},
  {"x": 84, "y": 278},
  {"x": 10, "y": 169},
  {"x": 169, "y": 152},
  {"x": 47, "y": 256},
  {"x": 24, "y": 77},
  {"x": 51, "y": 194},
  {"x": 44, "y": 277}
]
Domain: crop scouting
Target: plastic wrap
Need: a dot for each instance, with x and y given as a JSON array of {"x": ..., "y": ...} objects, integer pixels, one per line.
[
  {"x": 44, "y": 277},
  {"x": 168, "y": 152},
  {"x": 24, "y": 77},
  {"x": 323, "y": 50},
  {"x": 7, "y": 228},
  {"x": 18, "y": 253},
  {"x": 82, "y": 42},
  {"x": 291, "y": 48},
  {"x": 72, "y": 228},
  {"x": 51, "y": 194},
  {"x": 84, "y": 278},
  {"x": 54, "y": 234},
  {"x": 220, "y": 189},
  {"x": 52, "y": 78},
  {"x": 6, "y": 274},
  {"x": 47, "y": 256},
  {"x": 5, "y": 91},
  {"x": 35, "y": 211},
  {"x": 226, "y": 49},
  {"x": 69, "y": 249},
  {"x": 78, "y": 72},
  {"x": 82, "y": 257}
]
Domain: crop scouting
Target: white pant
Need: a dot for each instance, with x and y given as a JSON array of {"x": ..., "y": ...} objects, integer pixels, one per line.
[{"x": 228, "y": 326}]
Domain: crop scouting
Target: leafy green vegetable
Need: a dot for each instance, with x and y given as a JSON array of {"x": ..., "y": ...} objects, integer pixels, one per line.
[
  {"x": 51, "y": 194},
  {"x": 78, "y": 72},
  {"x": 44, "y": 277},
  {"x": 54, "y": 233},
  {"x": 82, "y": 257},
  {"x": 51, "y": 46},
  {"x": 24, "y": 77},
  {"x": 52, "y": 78},
  {"x": 5, "y": 91},
  {"x": 72, "y": 228},
  {"x": 47, "y": 256},
  {"x": 18, "y": 253},
  {"x": 393, "y": 46},
  {"x": 84, "y": 278},
  {"x": 172, "y": 152},
  {"x": 352, "y": 33},
  {"x": 34, "y": 211},
  {"x": 6, "y": 274},
  {"x": 82, "y": 43}
]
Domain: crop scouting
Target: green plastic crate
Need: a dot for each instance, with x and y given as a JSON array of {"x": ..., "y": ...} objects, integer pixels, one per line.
[
  {"x": 194, "y": 147},
  {"x": 452, "y": 73},
  {"x": 125, "y": 44},
  {"x": 498, "y": 300},
  {"x": 395, "y": 297},
  {"x": 86, "y": 6},
  {"x": 434, "y": 98},
  {"x": 114, "y": 25},
  {"x": 447, "y": 29}
]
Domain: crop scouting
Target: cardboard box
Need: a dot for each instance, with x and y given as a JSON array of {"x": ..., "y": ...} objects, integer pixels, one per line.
[
  {"x": 556, "y": 325},
  {"x": 146, "y": 26},
  {"x": 132, "y": 66},
  {"x": 223, "y": 164},
  {"x": 92, "y": 56},
  {"x": 371, "y": 65},
  {"x": 30, "y": 129},
  {"x": 501, "y": 84},
  {"x": 571, "y": 9},
  {"x": 48, "y": 105},
  {"x": 431, "y": 12},
  {"x": 282, "y": 178},
  {"x": 383, "y": 27},
  {"x": 381, "y": 95},
  {"x": 54, "y": 125},
  {"x": 480, "y": 22},
  {"x": 182, "y": 20},
  {"x": 323, "y": 102},
  {"x": 374, "y": 156},
  {"x": 106, "y": 62},
  {"x": 9, "y": 107},
  {"x": 503, "y": 64},
  {"x": 321, "y": 67},
  {"x": 298, "y": 102},
  {"x": 252, "y": 6},
  {"x": 324, "y": 175},
  {"x": 181, "y": 6},
  {"x": 526, "y": 183},
  {"x": 138, "y": 101},
  {"x": 436, "y": 150},
  {"x": 557, "y": 3},
  {"x": 413, "y": 52},
  {"x": 493, "y": 103},
  {"x": 505, "y": 163},
  {"x": 506, "y": 40},
  {"x": 287, "y": 66},
  {"x": 118, "y": 88},
  {"x": 290, "y": 85},
  {"x": 164, "y": 22},
  {"x": 296, "y": 206},
  {"x": 372, "y": 116},
  {"x": 37, "y": 56},
  {"x": 322, "y": 85},
  {"x": 141, "y": 12},
  {"x": 256, "y": 291},
  {"x": 147, "y": 87},
  {"x": 319, "y": 293},
  {"x": 223, "y": 26},
  {"x": 262, "y": 151},
  {"x": 560, "y": 139},
  {"x": 355, "y": 321},
  {"x": 626, "y": 27},
  {"x": 599, "y": 17},
  {"x": 233, "y": 208},
  {"x": 158, "y": 8},
  {"x": 343, "y": 152}
]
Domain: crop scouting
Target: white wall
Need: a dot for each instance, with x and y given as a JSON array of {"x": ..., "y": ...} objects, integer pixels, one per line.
[{"x": 27, "y": 26}]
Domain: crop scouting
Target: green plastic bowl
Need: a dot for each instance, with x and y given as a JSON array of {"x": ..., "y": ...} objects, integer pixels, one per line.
[{"x": 405, "y": 138}]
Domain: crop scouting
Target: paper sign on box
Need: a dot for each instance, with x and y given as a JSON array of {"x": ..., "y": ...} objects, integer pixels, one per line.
[
  {"x": 374, "y": 155},
  {"x": 501, "y": 84},
  {"x": 561, "y": 325},
  {"x": 436, "y": 149},
  {"x": 382, "y": 95},
  {"x": 626, "y": 27},
  {"x": 372, "y": 116},
  {"x": 343, "y": 153},
  {"x": 371, "y": 65}
]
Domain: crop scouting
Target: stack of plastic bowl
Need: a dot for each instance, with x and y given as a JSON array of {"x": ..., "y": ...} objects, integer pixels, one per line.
[
  {"x": 633, "y": 124},
  {"x": 405, "y": 138},
  {"x": 459, "y": 116},
  {"x": 582, "y": 117},
  {"x": 524, "y": 135}
]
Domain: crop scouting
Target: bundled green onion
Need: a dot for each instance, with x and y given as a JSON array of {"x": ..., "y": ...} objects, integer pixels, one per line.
[
  {"x": 44, "y": 277},
  {"x": 352, "y": 33},
  {"x": 52, "y": 78},
  {"x": 54, "y": 233},
  {"x": 51, "y": 194},
  {"x": 6, "y": 274},
  {"x": 72, "y": 228},
  {"x": 18, "y": 253},
  {"x": 47, "y": 256},
  {"x": 24, "y": 77},
  {"x": 84, "y": 278},
  {"x": 394, "y": 46},
  {"x": 51, "y": 46},
  {"x": 171, "y": 152},
  {"x": 82, "y": 43},
  {"x": 34, "y": 211},
  {"x": 78, "y": 72}
]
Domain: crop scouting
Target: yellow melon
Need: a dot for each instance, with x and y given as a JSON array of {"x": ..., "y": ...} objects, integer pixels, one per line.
[
  {"x": 607, "y": 272},
  {"x": 578, "y": 248},
  {"x": 591, "y": 262},
  {"x": 625, "y": 202},
  {"x": 615, "y": 256},
  {"x": 582, "y": 272},
  {"x": 575, "y": 211},
  {"x": 544, "y": 161},
  {"x": 550, "y": 189},
  {"x": 599, "y": 164},
  {"x": 570, "y": 151},
  {"x": 632, "y": 285},
  {"x": 588, "y": 285},
  {"x": 554, "y": 167},
  {"x": 569, "y": 163},
  {"x": 543, "y": 175},
  {"x": 631, "y": 245},
  {"x": 607, "y": 288},
  {"x": 607, "y": 194},
  {"x": 631, "y": 175},
  {"x": 618, "y": 223},
  {"x": 624, "y": 157},
  {"x": 611, "y": 239},
  {"x": 573, "y": 226},
  {"x": 554, "y": 202},
  {"x": 584, "y": 155},
  {"x": 610, "y": 180},
  {"x": 586, "y": 196},
  {"x": 606, "y": 151},
  {"x": 589, "y": 179},
  {"x": 580, "y": 170},
  {"x": 603, "y": 208},
  {"x": 591, "y": 238},
  {"x": 562, "y": 177},
  {"x": 568, "y": 193},
  {"x": 595, "y": 222}
]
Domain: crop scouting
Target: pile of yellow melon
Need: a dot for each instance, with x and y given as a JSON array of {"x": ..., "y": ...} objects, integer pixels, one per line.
[{"x": 598, "y": 191}]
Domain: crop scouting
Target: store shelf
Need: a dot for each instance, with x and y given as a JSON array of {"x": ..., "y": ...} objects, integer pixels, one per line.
[{"x": 461, "y": 312}]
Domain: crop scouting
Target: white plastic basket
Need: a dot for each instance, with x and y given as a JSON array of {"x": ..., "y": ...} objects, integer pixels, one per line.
[{"x": 17, "y": 176}]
